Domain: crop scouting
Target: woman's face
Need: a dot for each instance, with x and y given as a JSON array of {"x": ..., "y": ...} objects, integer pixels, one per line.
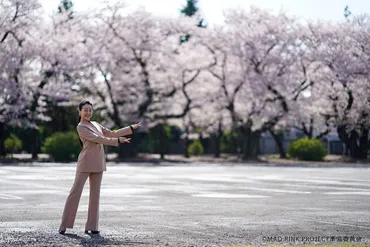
[{"x": 86, "y": 112}]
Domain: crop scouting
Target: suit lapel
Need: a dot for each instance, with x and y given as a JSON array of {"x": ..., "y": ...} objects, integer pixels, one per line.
[
  {"x": 93, "y": 127},
  {"x": 96, "y": 127}
]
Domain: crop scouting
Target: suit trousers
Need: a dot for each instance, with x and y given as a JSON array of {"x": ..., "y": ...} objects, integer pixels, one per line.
[{"x": 70, "y": 208}]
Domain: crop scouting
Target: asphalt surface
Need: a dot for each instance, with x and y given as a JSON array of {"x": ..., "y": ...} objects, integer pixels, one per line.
[{"x": 189, "y": 205}]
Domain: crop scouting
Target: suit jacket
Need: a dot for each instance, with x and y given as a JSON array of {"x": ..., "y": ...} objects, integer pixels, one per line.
[{"x": 94, "y": 136}]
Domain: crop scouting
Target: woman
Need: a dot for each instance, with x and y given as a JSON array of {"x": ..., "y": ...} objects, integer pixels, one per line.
[{"x": 91, "y": 164}]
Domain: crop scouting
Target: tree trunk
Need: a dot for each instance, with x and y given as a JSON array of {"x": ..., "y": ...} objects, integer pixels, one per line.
[
  {"x": 162, "y": 144},
  {"x": 346, "y": 150},
  {"x": 35, "y": 143},
  {"x": 2, "y": 139},
  {"x": 186, "y": 147},
  {"x": 186, "y": 143},
  {"x": 217, "y": 138},
  {"x": 279, "y": 143},
  {"x": 364, "y": 144},
  {"x": 357, "y": 145},
  {"x": 217, "y": 150},
  {"x": 63, "y": 119},
  {"x": 250, "y": 143}
]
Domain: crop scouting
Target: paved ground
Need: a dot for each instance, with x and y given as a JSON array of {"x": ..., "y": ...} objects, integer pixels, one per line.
[{"x": 189, "y": 205}]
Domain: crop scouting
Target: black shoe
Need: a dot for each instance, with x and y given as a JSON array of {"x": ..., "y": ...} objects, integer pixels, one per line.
[
  {"x": 62, "y": 232},
  {"x": 92, "y": 232}
]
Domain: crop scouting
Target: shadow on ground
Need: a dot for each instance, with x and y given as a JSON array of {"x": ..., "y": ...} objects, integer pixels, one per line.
[{"x": 69, "y": 239}]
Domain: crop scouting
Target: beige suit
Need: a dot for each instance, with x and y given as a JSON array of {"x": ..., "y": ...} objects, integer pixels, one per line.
[{"x": 91, "y": 163}]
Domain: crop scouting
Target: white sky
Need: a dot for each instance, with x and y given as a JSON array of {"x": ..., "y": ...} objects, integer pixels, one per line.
[{"x": 212, "y": 9}]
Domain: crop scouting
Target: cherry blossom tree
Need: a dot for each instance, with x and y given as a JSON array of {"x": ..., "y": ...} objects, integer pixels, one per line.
[
  {"x": 258, "y": 73},
  {"x": 223, "y": 86},
  {"x": 17, "y": 26},
  {"x": 344, "y": 51},
  {"x": 60, "y": 54},
  {"x": 306, "y": 107},
  {"x": 133, "y": 64},
  {"x": 265, "y": 47}
]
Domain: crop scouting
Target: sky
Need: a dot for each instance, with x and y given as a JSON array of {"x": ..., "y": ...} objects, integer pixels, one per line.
[{"x": 212, "y": 10}]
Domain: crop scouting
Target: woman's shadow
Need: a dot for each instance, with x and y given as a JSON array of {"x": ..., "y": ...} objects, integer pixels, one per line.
[{"x": 97, "y": 239}]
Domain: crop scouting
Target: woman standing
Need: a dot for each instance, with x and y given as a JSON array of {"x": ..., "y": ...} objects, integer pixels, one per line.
[{"x": 91, "y": 164}]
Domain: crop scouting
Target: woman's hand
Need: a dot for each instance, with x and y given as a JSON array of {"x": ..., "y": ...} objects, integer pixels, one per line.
[
  {"x": 135, "y": 126},
  {"x": 124, "y": 139}
]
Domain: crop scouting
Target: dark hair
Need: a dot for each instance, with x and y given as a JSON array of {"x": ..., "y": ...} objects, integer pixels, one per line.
[{"x": 84, "y": 102}]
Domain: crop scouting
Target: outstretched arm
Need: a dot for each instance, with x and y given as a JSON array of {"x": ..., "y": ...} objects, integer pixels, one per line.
[
  {"x": 120, "y": 132},
  {"x": 89, "y": 135}
]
